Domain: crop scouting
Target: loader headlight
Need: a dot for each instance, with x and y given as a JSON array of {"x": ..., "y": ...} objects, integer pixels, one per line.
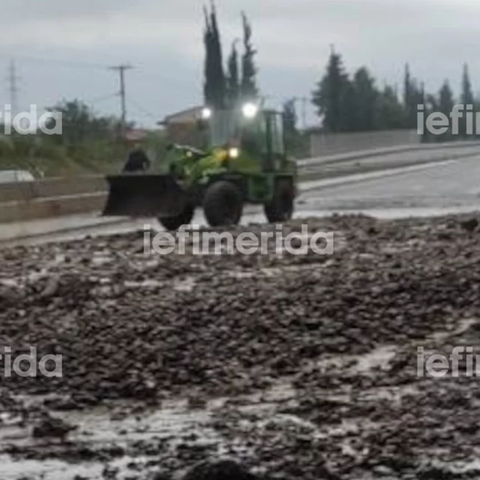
[
  {"x": 234, "y": 152},
  {"x": 207, "y": 113},
  {"x": 250, "y": 110}
]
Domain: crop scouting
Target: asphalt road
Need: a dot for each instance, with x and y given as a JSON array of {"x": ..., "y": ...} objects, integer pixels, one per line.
[{"x": 451, "y": 186}]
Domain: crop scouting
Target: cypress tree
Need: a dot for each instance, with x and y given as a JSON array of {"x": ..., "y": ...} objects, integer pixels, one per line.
[
  {"x": 233, "y": 77},
  {"x": 249, "y": 70},
  {"x": 215, "y": 84}
]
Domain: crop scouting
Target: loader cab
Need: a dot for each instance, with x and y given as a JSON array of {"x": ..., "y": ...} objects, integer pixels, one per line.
[
  {"x": 257, "y": 133},
  {"x": 272, "y": 130}
]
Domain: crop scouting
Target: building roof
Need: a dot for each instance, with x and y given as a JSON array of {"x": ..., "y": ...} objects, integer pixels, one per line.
[{"x": 189, "y": 115}]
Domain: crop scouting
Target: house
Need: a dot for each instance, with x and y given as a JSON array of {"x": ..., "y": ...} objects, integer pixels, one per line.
[
  {"x": 182, "y": 127},
  {"x": 185, "y": 117}
]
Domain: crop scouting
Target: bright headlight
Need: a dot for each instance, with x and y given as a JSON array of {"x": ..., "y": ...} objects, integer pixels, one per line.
[
  {"x": 207, "y": 113},
  {"x": 250, "y": 110},
  {"x": 234, "y": 152}
]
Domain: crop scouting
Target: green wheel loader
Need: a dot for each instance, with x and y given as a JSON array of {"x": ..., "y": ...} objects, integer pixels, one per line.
[{"x": 246, "y": 163}]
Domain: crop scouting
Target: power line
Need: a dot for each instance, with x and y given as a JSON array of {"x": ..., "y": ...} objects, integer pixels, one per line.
[
  {"x": 143, "y": 110},
  {"x": 179, "y": 83},
  {"x": 101, "y": 98}
]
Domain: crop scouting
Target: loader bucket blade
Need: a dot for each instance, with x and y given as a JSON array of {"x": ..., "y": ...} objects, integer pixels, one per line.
[{"x": 146, "y": 196}]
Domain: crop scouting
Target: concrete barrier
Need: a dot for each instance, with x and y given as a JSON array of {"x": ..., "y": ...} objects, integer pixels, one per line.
[
  {"x": 378, "y": 152},
  {"x": 51, "y": 207},
  {"x": 50, "y": 198},
  {"x": 48, "y": 188},
  {"x": 325, "y": 144}
]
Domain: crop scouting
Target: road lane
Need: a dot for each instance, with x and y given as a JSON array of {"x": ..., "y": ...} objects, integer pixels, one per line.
[{"x": 452, "y": 186}]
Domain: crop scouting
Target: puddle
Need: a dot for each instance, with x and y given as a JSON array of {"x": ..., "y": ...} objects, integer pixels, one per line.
[
  {"x": 59, "y": 470},
  {"x": 464, "y": 326},
  {"x": 124, "y": 427},
  {"x": 242, "y": 274},
  {"x": 100, "y": 260},
  {"x": 379, "y": 358},
  {"x": 177, "y": 423},
  {"x": 49, "y": 470},
  {"x": 144, "y": 284},
  {"x": 391, "y": 213},
  {"x": 121, "y": 425},
  {"x": 186, "y": 285}
]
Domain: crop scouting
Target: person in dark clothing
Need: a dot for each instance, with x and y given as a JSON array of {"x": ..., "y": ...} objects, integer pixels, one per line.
[{"x": 137, "y": 161}]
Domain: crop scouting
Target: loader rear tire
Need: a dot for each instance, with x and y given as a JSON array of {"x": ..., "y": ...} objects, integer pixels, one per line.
[
  {"x": 172, "y": 224},
  {"x": 280, "y": 209},
  {"x": 223, "y": 204}
]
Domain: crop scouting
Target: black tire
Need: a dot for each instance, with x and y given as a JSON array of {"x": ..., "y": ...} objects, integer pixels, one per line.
[
  {"x": 282, "y": 206},
  {"x": 172, "y": 224},
  {"x": 223, "y": 204}
]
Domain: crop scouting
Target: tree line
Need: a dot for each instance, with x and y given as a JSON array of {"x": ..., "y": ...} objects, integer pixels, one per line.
[
  {"x": 343, "y": 102},
  {"x": 355, "y": 103}
]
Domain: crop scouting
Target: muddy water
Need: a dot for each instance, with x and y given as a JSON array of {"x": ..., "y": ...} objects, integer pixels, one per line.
[
  {"x": 135, "y": 432},
  {"x": 388, "y": 213},
  {"x": 307, "y": 208},
  {"x": 48, "y": 470},
  {"x": 104, "y": 428},
  {"x": 124, "y": 426}
]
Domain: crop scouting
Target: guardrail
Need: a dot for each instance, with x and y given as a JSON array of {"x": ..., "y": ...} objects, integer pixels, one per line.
[{"x": 51, "y": 198}]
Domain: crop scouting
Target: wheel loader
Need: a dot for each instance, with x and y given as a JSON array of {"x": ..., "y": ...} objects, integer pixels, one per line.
[{"x": 245, "y": 163}]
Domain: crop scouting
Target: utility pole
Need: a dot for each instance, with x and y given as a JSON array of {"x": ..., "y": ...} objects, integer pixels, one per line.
[
  {"x": 303, "y": 101},
  {"x": 12, "y": 81},
  {"x": 304, "y": 112},
  {"x": 121, "y": 70}
]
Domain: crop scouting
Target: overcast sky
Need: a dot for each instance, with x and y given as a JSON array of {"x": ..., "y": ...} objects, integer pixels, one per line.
[{"x": 163, "y": 40}]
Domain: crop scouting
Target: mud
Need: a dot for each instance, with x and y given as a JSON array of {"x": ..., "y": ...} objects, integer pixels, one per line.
[{"x": 292, "y": 366}]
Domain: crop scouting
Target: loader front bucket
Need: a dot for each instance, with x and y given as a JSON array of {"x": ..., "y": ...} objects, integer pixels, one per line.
[{"x": 148, "y": 196}]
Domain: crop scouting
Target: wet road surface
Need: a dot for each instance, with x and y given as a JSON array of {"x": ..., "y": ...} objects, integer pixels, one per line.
[{"x": 451, "y": 186}]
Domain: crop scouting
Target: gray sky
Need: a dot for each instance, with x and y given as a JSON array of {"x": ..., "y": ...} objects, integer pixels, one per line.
[{"x": 163, "y": 39}]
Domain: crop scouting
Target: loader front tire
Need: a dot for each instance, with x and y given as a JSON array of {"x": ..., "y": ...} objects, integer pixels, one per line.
[
  {"x": 172, "y": 224},
  {"x": 223, "y": 204}
]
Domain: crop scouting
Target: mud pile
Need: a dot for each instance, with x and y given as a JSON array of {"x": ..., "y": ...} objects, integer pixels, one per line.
[
  {"x": 130, "y": 325},
  {"x": 342, "y": 331}
]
